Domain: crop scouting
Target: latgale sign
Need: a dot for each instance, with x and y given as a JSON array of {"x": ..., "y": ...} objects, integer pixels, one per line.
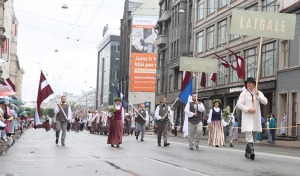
[
  {"x": 194, "y": 64},
  {"x": 263, "y": 24}
]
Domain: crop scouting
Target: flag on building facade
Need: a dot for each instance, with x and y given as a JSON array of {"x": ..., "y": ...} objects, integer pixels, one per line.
[
  {"x": 187, "y": 93},
  {"x": 213, "y": 77},
  {"x": 186, "y": 77},
  {"x": 224, "y": 62},
  {"x": 240, "y": 65},
  {"x": 124, "y": 102},
  {"x": 8, "y": 82},
  {"x": 203, "y": 80},
  {"x": 44, "y": 92}
]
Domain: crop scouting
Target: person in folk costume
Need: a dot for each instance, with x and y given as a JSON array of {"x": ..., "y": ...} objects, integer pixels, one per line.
[
  {"x": 283, "y": 125},
  {"x": 76, "y": 123},
  {"x": 105, "y": 122},
  {"x": 82, "y": 122},
  {"x": 132, "y": 121},
  {"x": 249, "y": 103},
  {"x": 142, "y": 118},
  {"x": 163, "y": 114},
  {"x": 128, "y": 122},
  {"x": 89, "y": 120},
  {"x": 193, "y": 121},
  {"x": 97, "y": 119},
  {"x": 116, "y": 122},
  {"x": 63, "y": 116},
  {"x": 93, "y": 122},
  {"x": 216, "y": 133},
  {"x": 228, "y": 126},
  {"x": 100, "y": 123}
]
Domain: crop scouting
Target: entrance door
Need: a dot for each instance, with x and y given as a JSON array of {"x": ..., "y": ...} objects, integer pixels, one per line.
[{"x": 294, "y": 114}]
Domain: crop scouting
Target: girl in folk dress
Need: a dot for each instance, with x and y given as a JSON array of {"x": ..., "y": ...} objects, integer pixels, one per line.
[
  {"x": 116, "y": 122},
  {"x": 216, "y": 134}
]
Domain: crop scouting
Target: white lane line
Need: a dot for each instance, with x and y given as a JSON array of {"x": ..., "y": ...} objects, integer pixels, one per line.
[
  {"x": 102, "y": 144},
  {"x": 260, "y": 153},
  {"x": 175, "y": 166}
]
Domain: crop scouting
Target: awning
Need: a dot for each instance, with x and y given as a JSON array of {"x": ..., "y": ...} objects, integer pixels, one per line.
[{"x": 165, "y": 16}]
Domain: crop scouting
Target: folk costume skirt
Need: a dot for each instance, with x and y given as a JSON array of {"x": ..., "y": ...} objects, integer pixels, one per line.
[
  {"x": 115, "y": 132},
  {"x": 216, "y": 134}
]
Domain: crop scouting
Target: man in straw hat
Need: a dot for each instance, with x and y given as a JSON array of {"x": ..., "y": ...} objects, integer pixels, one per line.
[{"x": 249, "y": 103}]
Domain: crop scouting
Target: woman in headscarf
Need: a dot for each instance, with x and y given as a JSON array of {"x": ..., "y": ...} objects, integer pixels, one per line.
[
  {"x": 216, "y": 134},
  {"x": 116, "y": 122}
]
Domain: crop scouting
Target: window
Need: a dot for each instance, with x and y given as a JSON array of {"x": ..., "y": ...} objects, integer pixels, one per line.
[
  {"x": 177, "y": 48},
  {"x": 251, "y": 57},
  {"x": 171, "y": 83},
  {"x": 253, "y": 7},
  {"x": 269, "y": 5},
  {"x": 222, "y": 32},
  {"x": 221, "y": 74},
  {"x": 199, "y": 42},
  {"x": 161, "y": 60},
  {"x": 172, "y": 50},
  {"x": 162, "y": 85},
  {"x": 285, "y": 52},
  {"x": 267, "y": 57},
  {"x": 176, "y": 80},
  {"x": 233, "y": 74},
  {"x": 210, "y": 37},
  {"x": 200, "y": 10},
  {"x": 158, "y": 90},
  {"x": 210, "y": 6},
  {"x": 233, "y": 36},
  {"x": 222, "y": 3}
]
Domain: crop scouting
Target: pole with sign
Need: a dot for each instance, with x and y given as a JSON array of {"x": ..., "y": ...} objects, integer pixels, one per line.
[{"x": 263, "y": 24}]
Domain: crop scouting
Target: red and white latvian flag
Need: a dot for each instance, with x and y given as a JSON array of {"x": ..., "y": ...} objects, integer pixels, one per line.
[
  {"x": 186, "y": 77},
  {"x": 8, "y": 82},
  {"x": 44, "y": 92}
]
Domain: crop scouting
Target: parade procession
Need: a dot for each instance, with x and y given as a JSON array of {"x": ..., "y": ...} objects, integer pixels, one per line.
[{"x": 149, "y": 87}]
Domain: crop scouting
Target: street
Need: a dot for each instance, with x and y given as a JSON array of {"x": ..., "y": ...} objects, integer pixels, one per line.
[{"x": 36, "y": 153}]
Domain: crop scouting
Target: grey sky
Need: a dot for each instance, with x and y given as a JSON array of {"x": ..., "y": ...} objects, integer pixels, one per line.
[{"x": 44, "y": 27}]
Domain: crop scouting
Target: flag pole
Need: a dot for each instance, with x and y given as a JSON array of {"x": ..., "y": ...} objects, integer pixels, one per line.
[
  {"x": 258, "y": 68},
  {"x": 170, "y": 108}
]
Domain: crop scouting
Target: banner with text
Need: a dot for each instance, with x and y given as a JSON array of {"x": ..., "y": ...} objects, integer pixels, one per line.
[
  {"x": 143, "y": 54},
  {"x": 263, "y": 24}
]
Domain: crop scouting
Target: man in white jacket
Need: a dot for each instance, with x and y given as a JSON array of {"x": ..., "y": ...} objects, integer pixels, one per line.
[
  {"x": 249, "y": 103},
  {"x": 63, "y": 116}
]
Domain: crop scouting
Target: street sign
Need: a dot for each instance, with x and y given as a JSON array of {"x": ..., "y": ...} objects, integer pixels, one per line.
[
  {"x": 263, "y": 24},
  {"x": 194, "y": 64}
]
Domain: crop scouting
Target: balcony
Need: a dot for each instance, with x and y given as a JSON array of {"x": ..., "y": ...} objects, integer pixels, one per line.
[{"x": 161, "y": 40}]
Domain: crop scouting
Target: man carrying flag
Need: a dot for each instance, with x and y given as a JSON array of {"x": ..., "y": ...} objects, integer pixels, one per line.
[
  {"x": 63, "y": 115},
  {"x": 44, "y": 92}
]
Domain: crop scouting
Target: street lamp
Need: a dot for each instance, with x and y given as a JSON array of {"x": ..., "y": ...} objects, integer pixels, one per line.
[{"x": 64, "y": 6}]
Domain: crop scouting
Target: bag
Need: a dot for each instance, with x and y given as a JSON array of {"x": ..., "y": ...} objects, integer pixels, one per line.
[{"x": 2, "y": 125}]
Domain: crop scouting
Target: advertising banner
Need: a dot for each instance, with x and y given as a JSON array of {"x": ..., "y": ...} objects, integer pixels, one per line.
[{"x": 143, "y": 54}]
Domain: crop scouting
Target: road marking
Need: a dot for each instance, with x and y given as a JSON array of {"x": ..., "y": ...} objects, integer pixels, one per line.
[
  {"x": 260, "y": 153},
  {"x": 175, "y": 166},
  {"x": 102, "y": 144}
]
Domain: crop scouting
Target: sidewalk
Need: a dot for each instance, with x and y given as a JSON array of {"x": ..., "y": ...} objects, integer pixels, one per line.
[{"x": 278, "y": 143}]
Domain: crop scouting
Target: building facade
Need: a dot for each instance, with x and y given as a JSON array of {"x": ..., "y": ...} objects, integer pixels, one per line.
[
  {"x": 288, "y": 85},
  {"x": 107, "y": 70}
]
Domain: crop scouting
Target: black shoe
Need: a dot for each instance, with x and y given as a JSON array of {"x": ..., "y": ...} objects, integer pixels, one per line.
[
  {"x": 112, "y": 145},
  {"x": 217, "y": 146},
  {"x": 166, "y": 144},
  {"x": 137, "y": 138},
  {"x": 63, "y": 144},
  {"x": 191, "y": 148},
  {"x": 56, "y": 141},
  {"x": 159, "y": 144},
  {"x": 118, "y": 145},
  {"x": 142, "y": 140},
  {"x": 231, "y": 145},
  {"x": 197, "y": 146}
]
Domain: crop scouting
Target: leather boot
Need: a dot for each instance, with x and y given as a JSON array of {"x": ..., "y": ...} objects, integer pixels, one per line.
[{"x": 252, "y": 155}]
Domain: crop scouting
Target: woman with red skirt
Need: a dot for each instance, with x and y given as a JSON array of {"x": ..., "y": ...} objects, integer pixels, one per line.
[{"x": 116, "y": 122}]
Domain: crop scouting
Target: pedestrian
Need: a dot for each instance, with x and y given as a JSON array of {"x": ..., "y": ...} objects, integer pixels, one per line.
[
  {"x": 63, "y": 116},
  {"x": 228, "y": 125},
  {"x": 76, "y": 123},
  {"x": 116, "y": 122},
  {"x": 204, "y": 125},
  {"x": 216, "y": 133},
  {"x": 193, "y": 121},
  {"x": 283, "y": 125},
  {"x": 128, "y": 123},
  {"x": 132, "y": 123},
  {"x": 162, "y": 115},
  {"x": 272, "y": 125},
  {"x": 268, "y": 128},
  {"x": 249, "y": 103},
  {"x": 259, "y": 135},
  {"x": 236, "y": 130},
  {"x": 142, "y": 118}
]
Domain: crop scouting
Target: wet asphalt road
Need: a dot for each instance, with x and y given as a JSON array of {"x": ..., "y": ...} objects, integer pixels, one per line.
[{"x": 36, "y": 154}]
